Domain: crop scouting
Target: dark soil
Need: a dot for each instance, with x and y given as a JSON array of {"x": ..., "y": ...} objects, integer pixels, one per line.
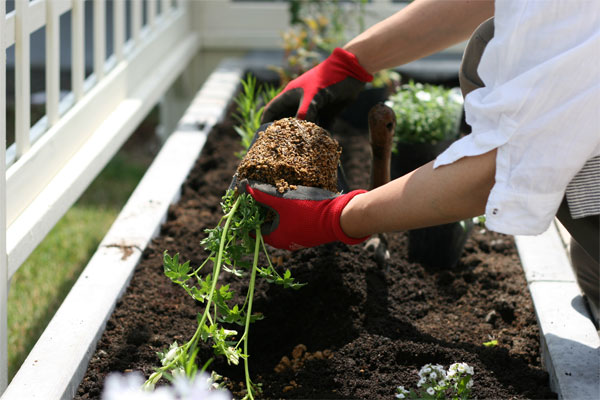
[{"x": 356, "y": 330}]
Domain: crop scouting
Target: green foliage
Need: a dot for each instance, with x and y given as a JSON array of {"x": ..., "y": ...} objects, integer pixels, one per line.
[
  {"x": 425, "y": 113},
  {"x": 491, "y": 343},
  {"x": 250, "y": 106},
  {"x": 233, "y": 246}
]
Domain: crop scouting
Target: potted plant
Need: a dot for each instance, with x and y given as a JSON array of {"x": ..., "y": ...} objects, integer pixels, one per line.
[{"x": 428, "y": 121}]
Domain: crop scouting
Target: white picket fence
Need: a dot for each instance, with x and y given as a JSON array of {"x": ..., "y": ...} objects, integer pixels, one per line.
[{"x": 53, "y": 161}]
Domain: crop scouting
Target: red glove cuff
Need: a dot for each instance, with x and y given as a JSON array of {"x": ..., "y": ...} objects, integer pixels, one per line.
[{"x": 345, "y": 61}]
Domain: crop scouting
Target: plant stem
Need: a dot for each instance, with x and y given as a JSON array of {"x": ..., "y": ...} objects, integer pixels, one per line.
[
  {"x": 215, "y": 277},
  {"x": 258, "y": 240}
]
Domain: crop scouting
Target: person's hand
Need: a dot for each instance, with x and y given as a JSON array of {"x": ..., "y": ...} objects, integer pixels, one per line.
[
  {"x": 304, "y": 217},
  {"x": 327, "y": 87}
]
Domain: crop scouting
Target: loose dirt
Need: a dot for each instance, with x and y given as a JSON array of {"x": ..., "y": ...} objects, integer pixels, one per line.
[{"x": 355, "y": 331}]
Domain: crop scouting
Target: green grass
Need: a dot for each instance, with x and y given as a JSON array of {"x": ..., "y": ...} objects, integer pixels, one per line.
[{"x": 38, "y": 288}]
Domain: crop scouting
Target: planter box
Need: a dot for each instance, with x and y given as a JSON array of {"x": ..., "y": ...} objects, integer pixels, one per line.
[{"x": 59, "y": 360}]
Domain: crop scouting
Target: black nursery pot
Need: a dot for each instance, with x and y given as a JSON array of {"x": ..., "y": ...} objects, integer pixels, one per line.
[
  {"x": 356, "y": 113},
  {"x": 437, "y": 246}
]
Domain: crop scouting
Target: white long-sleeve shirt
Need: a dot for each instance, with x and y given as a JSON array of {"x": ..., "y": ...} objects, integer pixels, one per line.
[{"x": 540, "y": 108}]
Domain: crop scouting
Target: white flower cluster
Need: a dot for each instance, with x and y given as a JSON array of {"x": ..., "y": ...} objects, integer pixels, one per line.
[
  {"x": 460, "y": 368},
  {"x": 432, "y": 375},
  {"x": 401, "y": 392},
  {"x": 458, "y": 371},
  {"x": 129, "y": 387}
]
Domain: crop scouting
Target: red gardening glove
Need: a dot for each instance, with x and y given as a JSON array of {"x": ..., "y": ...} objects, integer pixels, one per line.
[
  {"x": 327, "y": 87},
  {"x": 305, "y": 217}
]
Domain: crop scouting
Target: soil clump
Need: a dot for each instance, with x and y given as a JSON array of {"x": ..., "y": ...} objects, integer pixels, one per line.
[{"x": 292, "y": 152}]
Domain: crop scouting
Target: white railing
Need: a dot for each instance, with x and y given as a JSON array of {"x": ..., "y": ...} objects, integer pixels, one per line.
[{"x": 52, "y": 162}]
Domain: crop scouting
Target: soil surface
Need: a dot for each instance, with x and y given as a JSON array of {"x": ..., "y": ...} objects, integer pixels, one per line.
[{"x": 357, "y": 330}]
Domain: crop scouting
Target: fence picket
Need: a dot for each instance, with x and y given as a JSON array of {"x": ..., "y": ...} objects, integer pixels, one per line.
[
  {"x": 52, "y": 62},
  {"x": 99, "y": 38},
  {"x": 119, "y": 28},
  {"x": 136, "y": 20},
  {"x": 77, "y": 49},
  {"x": 22, "y": 78},
  {"x": 151, "y": 7}
]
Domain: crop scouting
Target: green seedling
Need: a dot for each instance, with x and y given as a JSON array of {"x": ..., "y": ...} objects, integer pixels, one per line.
[
  {"x": 251, "y": 103},
  {"x": 234, "y": 246},
  {"x": 491, "y": 343}
]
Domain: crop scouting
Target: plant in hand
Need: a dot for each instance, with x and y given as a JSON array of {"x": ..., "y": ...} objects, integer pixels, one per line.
[
  {"x": 229, "y": 244},
  {"x": 436, "y": 383}
]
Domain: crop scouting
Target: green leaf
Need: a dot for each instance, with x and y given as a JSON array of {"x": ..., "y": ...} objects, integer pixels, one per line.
[{"x": 491, "y": 343}]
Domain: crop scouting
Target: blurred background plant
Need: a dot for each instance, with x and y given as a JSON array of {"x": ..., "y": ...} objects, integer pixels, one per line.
[
  {"x": 426, "y": 113},
  {"x": 251, "y": 101},
  {"x": 318, "y": 27}
]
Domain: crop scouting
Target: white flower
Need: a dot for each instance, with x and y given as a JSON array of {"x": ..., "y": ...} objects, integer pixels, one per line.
[
  {"x": 129, "y": 387},
  {"x": 470, "y": 370},
  {"x": 423, "y": 96},
  {"x": 433, "y": 375},
  {"x": 440, "y": 101},
  {"x": 421, "y": 382},
  {"x": 199, "y": 389},
  {"x": 431, "y": 391},
  {"x": 470, "y": 384},
  {"x": 443, "y": 382},
  {"x": 401, "y": 392},
  {"x": 171, "y": 354}
]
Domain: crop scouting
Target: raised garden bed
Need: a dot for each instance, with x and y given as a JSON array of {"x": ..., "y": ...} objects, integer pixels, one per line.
[{"x": 355, "y": 331}]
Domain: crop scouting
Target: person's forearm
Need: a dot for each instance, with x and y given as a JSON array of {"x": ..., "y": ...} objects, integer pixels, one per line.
[
  {"x": 424, "y": 197},
  {"x": 420, "y": 29}
]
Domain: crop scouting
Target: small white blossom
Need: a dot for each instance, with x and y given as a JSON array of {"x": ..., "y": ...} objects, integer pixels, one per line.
[
  {"x": 440, "y": 101},
  {"x": 171, "y": 354},
  {"x": 433, "y": 375},
  {"x": 470, "y": 370},
  {"x": 443, "y": 382},
  {"x": 431, "y": 391},
  {"x": 421, "y": 382},
  {"x": 470, "y": 384},
  {"x": 129, "y": 387},
  {"x": 423, "y": 96},
  {"x": 402, "y": 392}
]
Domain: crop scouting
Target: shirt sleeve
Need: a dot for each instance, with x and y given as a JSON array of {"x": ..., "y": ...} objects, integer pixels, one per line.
[{"x": 540, "y": 108}]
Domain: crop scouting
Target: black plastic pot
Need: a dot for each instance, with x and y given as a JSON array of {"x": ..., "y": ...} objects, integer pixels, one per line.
[
  {"x": 357, "y": 112},
  {"x": 437, "y": 246}
]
